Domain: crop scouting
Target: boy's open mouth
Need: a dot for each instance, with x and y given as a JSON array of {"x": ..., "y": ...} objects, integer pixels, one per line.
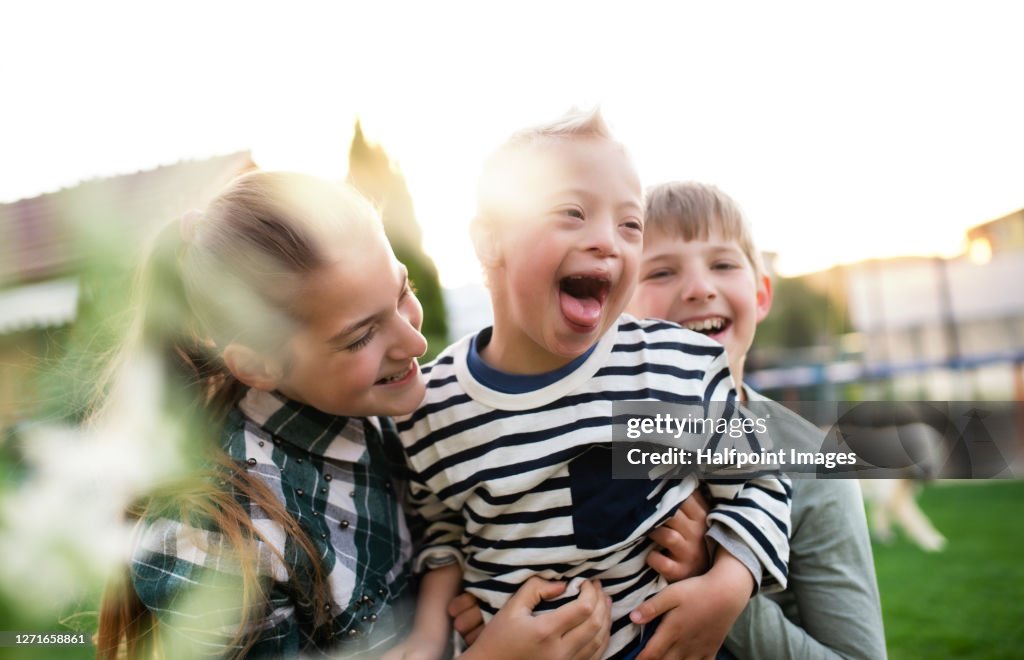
[
  {"x": 582, "y": 297},
  {"x": 709, "y": 326}
]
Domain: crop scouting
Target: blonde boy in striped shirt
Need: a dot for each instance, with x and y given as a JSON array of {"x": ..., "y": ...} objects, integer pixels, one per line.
[{"x": 510, "y": 450}]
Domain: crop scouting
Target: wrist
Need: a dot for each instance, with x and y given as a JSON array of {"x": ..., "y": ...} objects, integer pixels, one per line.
[
  {"x": 731, "y": 576},
  {"x": 432, "y": 640}
]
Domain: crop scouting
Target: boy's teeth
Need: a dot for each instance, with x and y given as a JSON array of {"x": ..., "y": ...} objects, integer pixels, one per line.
[{"x": 705, "y": 325}]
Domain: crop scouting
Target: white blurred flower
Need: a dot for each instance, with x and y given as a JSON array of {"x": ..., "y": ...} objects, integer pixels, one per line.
[{"x": 62, "y": 528}]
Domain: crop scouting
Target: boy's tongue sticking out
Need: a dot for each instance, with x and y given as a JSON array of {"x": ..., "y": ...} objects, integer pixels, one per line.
[{"x": 582, "y": 298}]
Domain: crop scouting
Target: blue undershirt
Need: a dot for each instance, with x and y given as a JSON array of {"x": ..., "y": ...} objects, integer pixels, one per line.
[{"x": 507, "y": 383}]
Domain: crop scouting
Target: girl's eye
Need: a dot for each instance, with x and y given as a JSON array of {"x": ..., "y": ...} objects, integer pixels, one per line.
[
  {"x": 658, "y": 274},
  {"x": 362, "y": 341},
  {"x": 634, "y": 224},
  {"x": 574, "y": 213},
  {"x": 723, "y": 265}
]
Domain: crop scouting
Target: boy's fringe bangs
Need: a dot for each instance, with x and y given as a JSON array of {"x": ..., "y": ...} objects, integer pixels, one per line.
[{"x": 689, "y": 210}]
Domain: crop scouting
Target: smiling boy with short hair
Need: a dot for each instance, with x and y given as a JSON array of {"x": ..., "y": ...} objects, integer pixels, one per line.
[
  {"x": 696, "y": 227},
  {"x": 700, "y": 269}
]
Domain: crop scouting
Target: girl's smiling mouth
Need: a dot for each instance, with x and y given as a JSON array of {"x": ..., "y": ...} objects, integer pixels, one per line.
[{"x": 400, "y": 378}]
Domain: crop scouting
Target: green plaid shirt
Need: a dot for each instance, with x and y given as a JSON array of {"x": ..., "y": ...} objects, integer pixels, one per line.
[{"x": 335, "y": 476}]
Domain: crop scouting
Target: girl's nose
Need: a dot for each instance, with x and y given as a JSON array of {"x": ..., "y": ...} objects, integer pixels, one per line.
[{"x": 409, "y": 342}]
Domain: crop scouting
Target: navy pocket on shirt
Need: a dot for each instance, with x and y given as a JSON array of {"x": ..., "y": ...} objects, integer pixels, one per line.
[{"x": 605, "y": 511}]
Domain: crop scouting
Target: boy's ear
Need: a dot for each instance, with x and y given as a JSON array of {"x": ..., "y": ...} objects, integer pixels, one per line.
[
  {"x": 764, "y": 297},
  {"x": 252, "y": 368},
  {"x": 484, "y": 233}
]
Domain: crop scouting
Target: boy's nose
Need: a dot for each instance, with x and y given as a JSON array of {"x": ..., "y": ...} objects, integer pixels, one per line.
[
  {"x": 601, "y": 239},
  {"x": 697, "y": 289}
]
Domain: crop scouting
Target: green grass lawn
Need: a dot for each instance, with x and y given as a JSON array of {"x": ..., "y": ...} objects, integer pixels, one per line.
[
  {"x": 964, "y": 602},
  {"x": 968, "y": 600}
]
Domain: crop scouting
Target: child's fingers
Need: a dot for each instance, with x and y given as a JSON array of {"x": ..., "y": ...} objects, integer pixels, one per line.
[
  {"x": 471, "y": 636},
  {"x": 591, "y": 638},
  {"x": 694, "y": 507},
  {"x": 469, "y": 623},
  {"x": 690, "y": 524},
  {"x": 684, "y": 556},
  {"x": 579, "y": 611},
  {"x": 654, "y": 606},
  {"x": 461, "y": 603},
  {"x": 669, "y": 538},
  {"x": 666, "y": 566},
  {"x": 533, "y": 591},
  {"x": 678, "y": 529},
  {"x": 597, "y": 644}
]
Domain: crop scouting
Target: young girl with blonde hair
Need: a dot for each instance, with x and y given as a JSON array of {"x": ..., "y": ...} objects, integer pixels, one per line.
[{"x": 283, "y": 317}]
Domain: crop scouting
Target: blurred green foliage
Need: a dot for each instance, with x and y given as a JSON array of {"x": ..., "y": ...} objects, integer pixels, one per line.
[
  {"x": 801, "y": 315},
  {"x": 424, "y": 277},
  {"x": 375, "y": 176},
  {"x": 68, "y": 373}
]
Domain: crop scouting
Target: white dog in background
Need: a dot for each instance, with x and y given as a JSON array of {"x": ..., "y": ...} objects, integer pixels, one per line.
[{"x": 893, "y": 501}]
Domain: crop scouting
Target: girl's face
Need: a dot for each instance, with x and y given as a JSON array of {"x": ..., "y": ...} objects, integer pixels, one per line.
[{"x": 355, "y": 354}]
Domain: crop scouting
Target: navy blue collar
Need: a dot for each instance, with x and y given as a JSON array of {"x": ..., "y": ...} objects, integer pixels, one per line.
[{"x": 507, "y": 383}]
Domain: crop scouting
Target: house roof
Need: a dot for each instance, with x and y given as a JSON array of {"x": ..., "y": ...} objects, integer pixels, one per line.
[{"x": 43, "y": 237}]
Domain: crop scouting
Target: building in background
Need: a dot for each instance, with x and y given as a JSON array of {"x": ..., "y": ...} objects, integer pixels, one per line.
[
  {"x": 920, "y": 327},
  {"x": 63, "y": 254},
  {"x": 1005, "y": 234}
]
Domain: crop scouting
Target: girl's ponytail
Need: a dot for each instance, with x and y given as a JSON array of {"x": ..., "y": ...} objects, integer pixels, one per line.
[{"x": 229, "y": 274}]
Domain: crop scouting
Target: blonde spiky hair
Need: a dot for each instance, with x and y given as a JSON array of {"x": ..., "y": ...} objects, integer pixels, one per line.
[
  {"x": 511, "y": 155},
  {"x": 691, "y": 210},
  {"x": 575, "y": 123}
]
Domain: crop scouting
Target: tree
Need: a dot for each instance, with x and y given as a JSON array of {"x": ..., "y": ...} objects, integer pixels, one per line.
[
  {"x": 372, "y": 173},
  {"x": 802, "y": 315}
]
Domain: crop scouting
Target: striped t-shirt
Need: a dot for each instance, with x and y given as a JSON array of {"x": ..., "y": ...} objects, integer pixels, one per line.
[{"x": 515, "y": 485}]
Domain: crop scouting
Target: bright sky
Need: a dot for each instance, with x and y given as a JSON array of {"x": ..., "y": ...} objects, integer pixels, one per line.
[{"x": 845, "y": 131}]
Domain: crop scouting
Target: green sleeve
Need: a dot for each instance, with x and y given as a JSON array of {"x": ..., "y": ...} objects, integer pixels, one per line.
[{"x": 831, "y": 607}]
